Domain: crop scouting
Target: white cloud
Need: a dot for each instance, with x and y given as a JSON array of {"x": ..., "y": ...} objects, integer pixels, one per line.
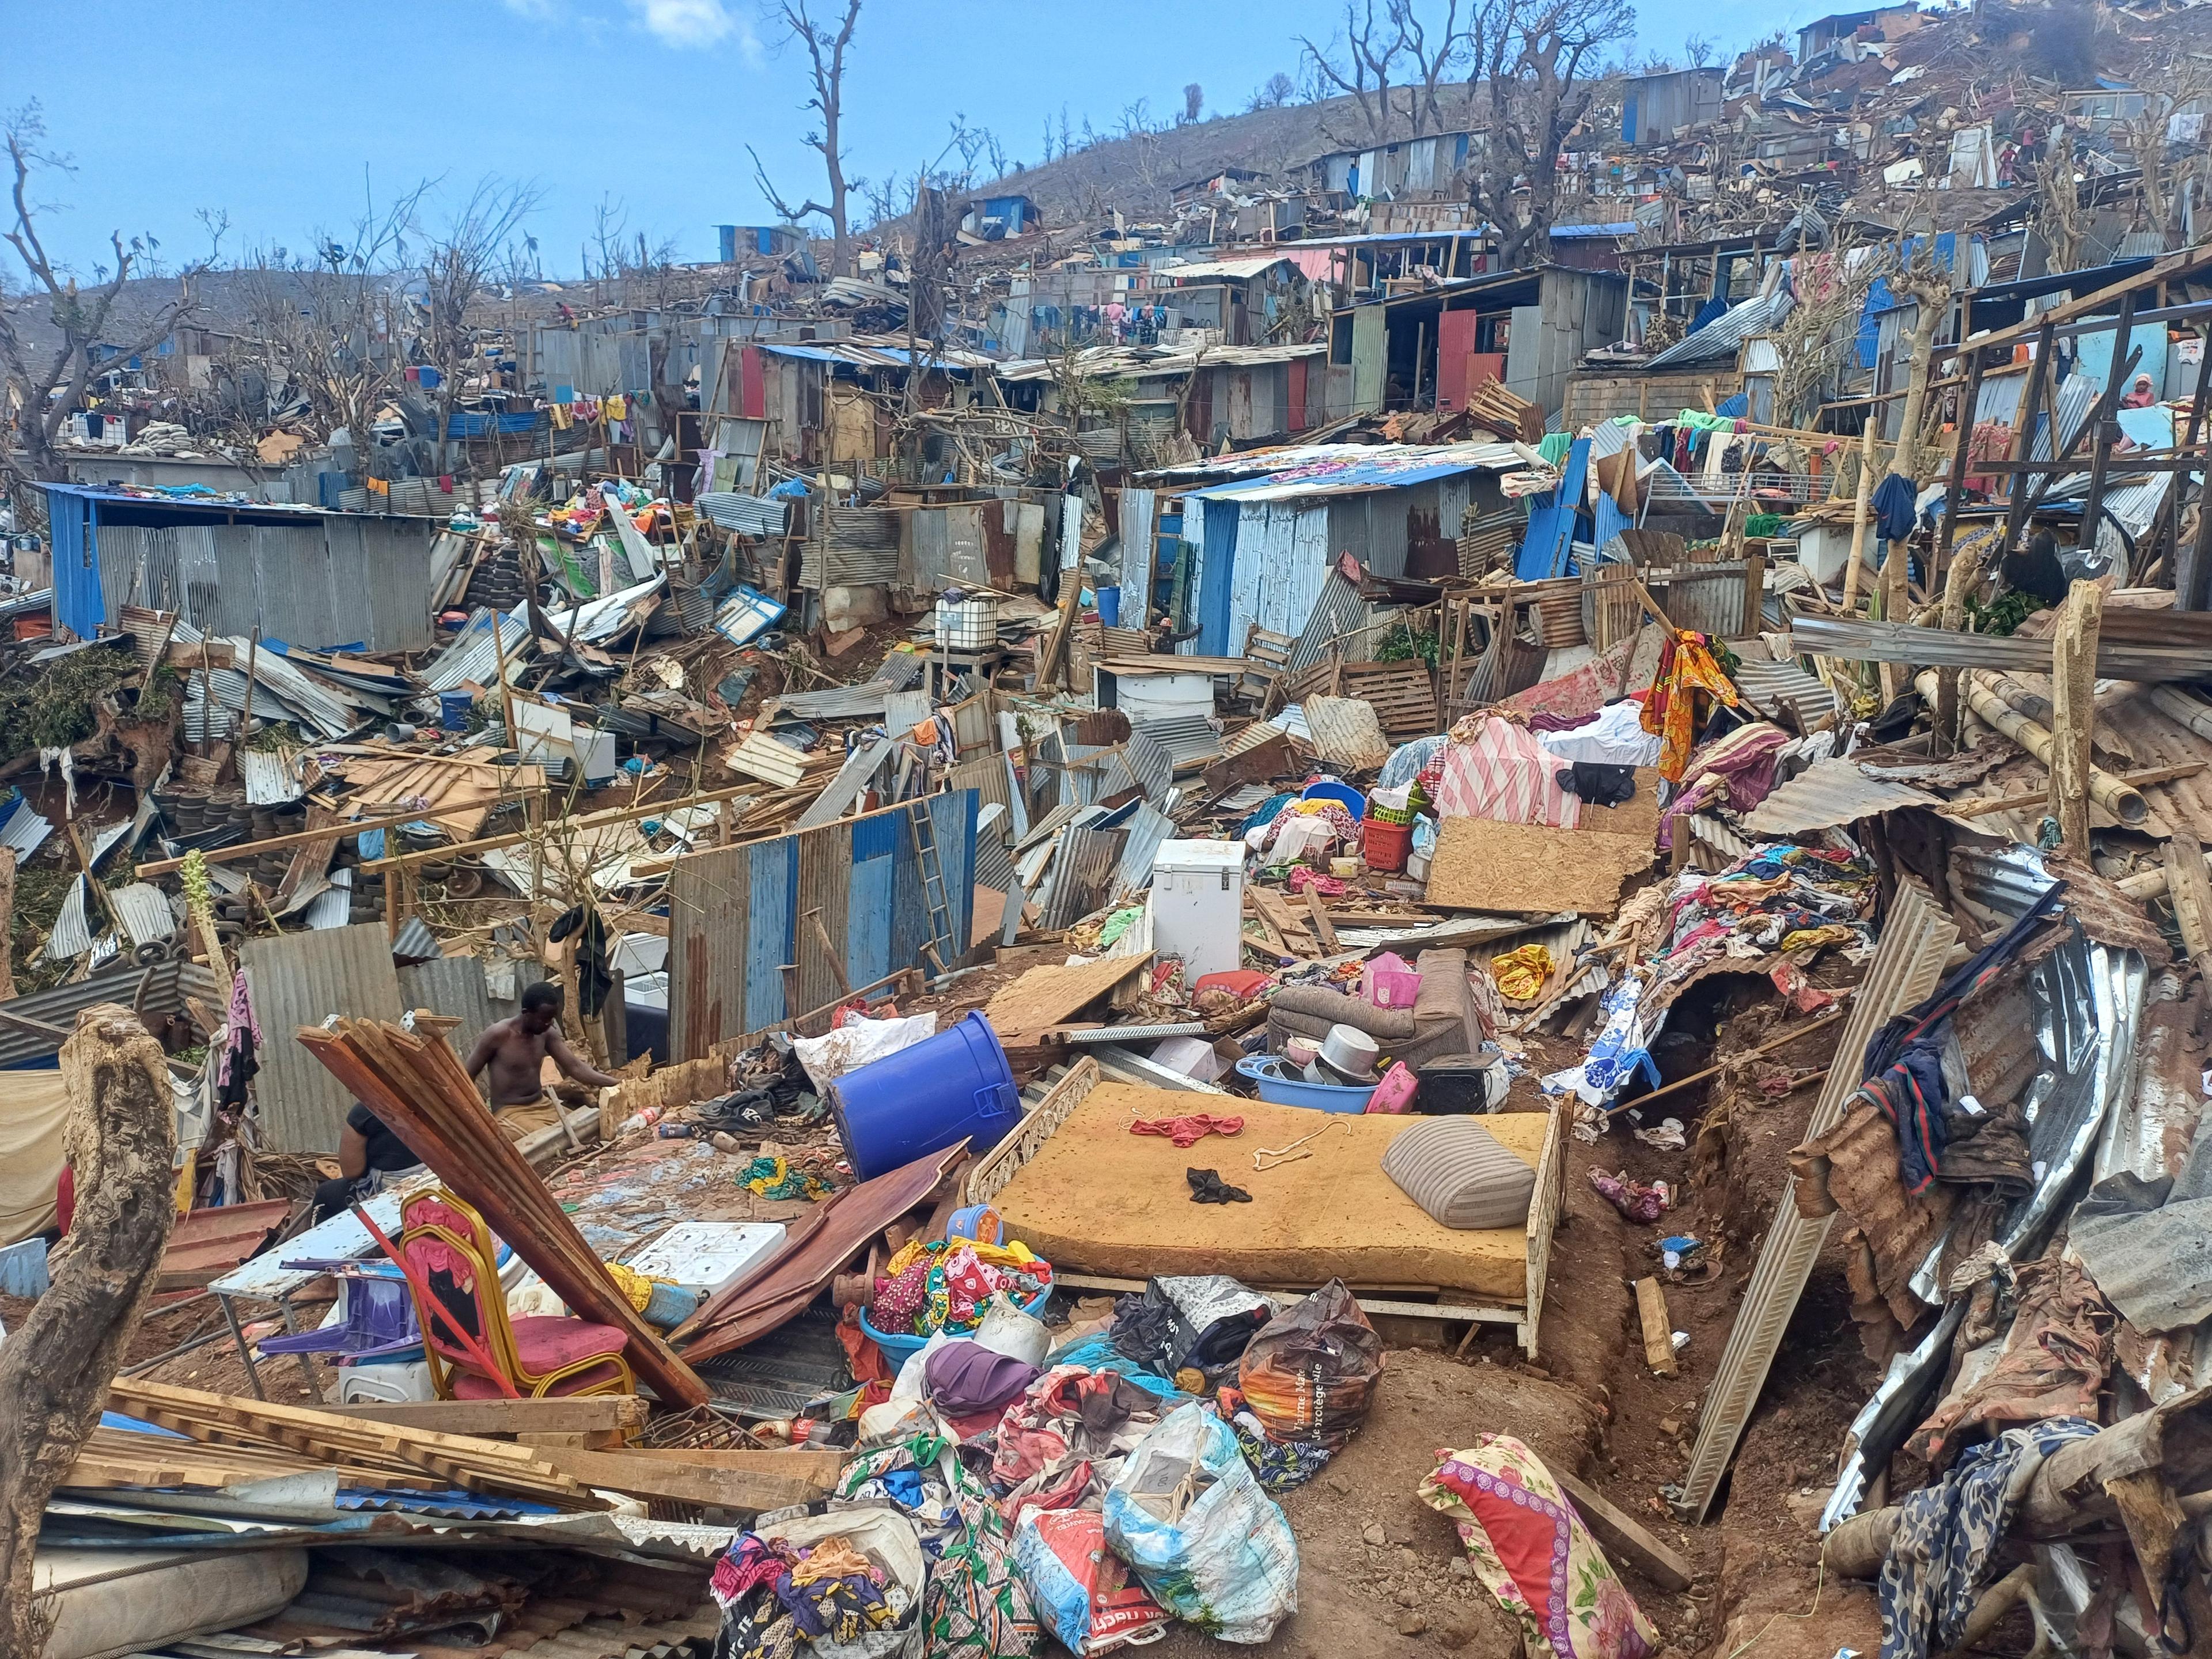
[{"x": 694, "y": 23}]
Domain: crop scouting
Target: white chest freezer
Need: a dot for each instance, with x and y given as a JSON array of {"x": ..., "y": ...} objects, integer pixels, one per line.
[{"x": 1198, "y": 905}]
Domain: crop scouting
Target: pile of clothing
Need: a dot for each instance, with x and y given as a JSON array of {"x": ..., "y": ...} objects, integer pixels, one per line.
[{"x": 945, "y": 1285}]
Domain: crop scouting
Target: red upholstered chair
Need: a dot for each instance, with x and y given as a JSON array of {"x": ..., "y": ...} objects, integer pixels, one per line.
[{"x": 450, "y": 1251}]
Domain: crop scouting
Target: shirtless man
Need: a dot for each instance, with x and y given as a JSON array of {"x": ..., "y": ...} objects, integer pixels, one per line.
[{"x": 515, "y": 1050}]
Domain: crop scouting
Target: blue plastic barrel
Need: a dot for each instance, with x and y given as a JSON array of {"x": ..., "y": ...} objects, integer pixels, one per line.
[
  {"x": 1110, "y": 606},
  {"x": 947, "y": 1088},
  {"x": 454, "y": 709}
]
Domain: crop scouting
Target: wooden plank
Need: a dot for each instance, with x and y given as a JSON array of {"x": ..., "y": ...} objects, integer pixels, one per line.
[
  {"x": 2073, "y": 684},
  {"x": 1658, "y": 1329},
  {"x": 1623, "y": 1537},
  {"x": 566, "y": 1414},
  {"x": 698, "y": 1477},
  {"x": 1320, "y": 922}
]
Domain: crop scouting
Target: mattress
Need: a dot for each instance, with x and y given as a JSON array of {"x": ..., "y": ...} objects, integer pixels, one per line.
[{"x": 1097, "y": 1199}]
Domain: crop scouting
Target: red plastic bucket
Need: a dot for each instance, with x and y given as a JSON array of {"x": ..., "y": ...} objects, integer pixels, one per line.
[{"x": 1385, "y": 844}]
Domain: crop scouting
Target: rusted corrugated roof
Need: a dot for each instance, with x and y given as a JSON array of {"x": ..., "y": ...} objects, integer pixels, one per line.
[{"x": 1828, "y": 793}]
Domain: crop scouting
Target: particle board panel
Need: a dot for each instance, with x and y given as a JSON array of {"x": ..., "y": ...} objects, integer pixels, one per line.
[
  {"x": 1096, "y": 1199},
  {"x": 1046, "y": 996},
  {"x": 1482, "y": 865},
  {"x": 1639, "y": 816}
]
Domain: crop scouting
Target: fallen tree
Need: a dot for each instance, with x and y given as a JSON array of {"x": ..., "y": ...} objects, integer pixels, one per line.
[{"x": 55, "y": 1370}]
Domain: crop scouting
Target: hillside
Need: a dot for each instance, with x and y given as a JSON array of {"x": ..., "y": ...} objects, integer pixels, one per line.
[{"x": 1135, "y": 173}]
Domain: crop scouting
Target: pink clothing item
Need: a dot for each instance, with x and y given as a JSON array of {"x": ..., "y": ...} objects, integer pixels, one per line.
[{"x": 1505, "y": 774}]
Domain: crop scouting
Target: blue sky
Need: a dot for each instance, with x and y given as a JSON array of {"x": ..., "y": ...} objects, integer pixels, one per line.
[{"x": 271, "y": 112}]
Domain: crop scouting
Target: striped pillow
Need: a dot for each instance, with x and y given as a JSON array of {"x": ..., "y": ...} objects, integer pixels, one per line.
[{"x": 1456, "y": 1171}]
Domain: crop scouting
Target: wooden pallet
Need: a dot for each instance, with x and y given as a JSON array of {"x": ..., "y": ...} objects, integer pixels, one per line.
[{"x": 1403, "y": 696}]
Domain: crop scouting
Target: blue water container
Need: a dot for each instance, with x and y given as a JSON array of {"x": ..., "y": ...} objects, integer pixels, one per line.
[
  {"x": 955, "y": 1085},
  {"x": 1110, "y": 606},
  {"x": 454, "y": 709}
]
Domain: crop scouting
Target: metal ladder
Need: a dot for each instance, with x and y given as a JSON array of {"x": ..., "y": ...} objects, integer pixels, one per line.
[{"x": 934, "y": 895}]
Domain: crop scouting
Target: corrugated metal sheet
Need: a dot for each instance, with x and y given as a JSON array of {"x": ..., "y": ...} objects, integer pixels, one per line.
[
  {"x": 1185, "y": 737},
  {"x": 332, "y": 906},
  {"x": 2135, "y": 505},
  {"x": 450, "y": 985},
  {"x": 271, "y": 778},
  {"x": 852, "y": 547},
  {"x": 302, "y": 979},
  {"x": 986, "y": 774},
  {"x": 1143, "y": 831},
  {"x": 1771, "y": 687},
  {"x": 1829, "y": 793},
  {"x": 328, "y": 579},
  {"x": 1337, "y": 611},
  {"x": 1346, "y": 730},
  {"x": 474, "y": 656},
  {"x": 737, "y": 915},
  {"x": 156, "y": 991},
  {"x": 758, "y": 516},
  {"x": 145, "y": 911},
  {"x": 72, "y": 933},
  {"x": 1139, "y": 508},
  {"x": 1724, "y": 336},
  {"x": 1084, "y": 872},
  {"x": 1382, "y": 467},
  {"x": 23, "y": 829},
  {"x": 2088, "y": 999}
]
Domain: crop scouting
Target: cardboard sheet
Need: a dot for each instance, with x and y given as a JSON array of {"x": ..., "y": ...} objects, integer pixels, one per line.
[
  {"x": 1097, "y": 1199},
  {"x": 1481, "y": 865}
]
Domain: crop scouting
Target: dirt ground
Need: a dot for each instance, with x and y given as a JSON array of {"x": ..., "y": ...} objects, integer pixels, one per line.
[{"x": 1379, "y": 1571}]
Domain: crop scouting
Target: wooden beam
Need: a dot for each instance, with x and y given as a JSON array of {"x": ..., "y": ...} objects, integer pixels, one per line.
[
  {"x": 1321, "y": 925},
  {"x": 2073, "y": 681},
  {"x": 1658, "y": 1329},
  {"x": 563, "y": 1414},
  {"x": 744, "y": 1480},
  {"x": 247, "y": 849},
  {"x": 1623, "y": 1537}
]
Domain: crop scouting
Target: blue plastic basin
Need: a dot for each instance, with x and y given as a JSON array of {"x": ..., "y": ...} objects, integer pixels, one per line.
[
  {"x": 900, "y": 1349},
  {"x": 1277, "y": 1089}
]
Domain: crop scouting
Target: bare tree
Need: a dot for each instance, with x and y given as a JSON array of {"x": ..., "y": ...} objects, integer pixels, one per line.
[
  {"x": 1276, "y": 90},
  {"x": 825, "y": 53},
  {"x": 1193, "y": 101},
  {"x": 1537, "y": 62},
  {"x": 1698, "y": 53},
  {"x": 328, "y": 330},
  {"x": 1429, "y": 61},
  {"x": 1366, "y": 70},
  {"x": 47, "y": 386},
  {"x": 458, "y": 265}
]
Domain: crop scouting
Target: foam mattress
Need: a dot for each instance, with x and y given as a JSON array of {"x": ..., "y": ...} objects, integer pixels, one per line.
[{"x": 1097, "y": 1199}]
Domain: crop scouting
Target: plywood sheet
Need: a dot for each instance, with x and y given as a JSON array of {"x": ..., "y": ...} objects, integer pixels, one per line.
[
  {"x": 1481, "y": 865},
  {"x": 1045, "y": 996},
  {"x": 1639, "y": 816},
  {"x": 1097, "y": 1199}
]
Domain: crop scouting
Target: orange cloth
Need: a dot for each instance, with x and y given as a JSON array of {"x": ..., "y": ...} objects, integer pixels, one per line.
[{"x": 1686, "y": 669}]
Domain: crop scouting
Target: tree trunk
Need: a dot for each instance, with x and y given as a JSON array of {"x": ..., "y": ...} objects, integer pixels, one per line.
[
  {"x": 54, "y": 1371},
  {"x": 7, "y": 923}
]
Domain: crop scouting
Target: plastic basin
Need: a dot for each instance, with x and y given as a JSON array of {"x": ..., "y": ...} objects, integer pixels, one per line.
[
  {"x": 953, "y": 1086},
  {"x": 1276, "y": 1089},
  {"x": 900, "y": 1349}
]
